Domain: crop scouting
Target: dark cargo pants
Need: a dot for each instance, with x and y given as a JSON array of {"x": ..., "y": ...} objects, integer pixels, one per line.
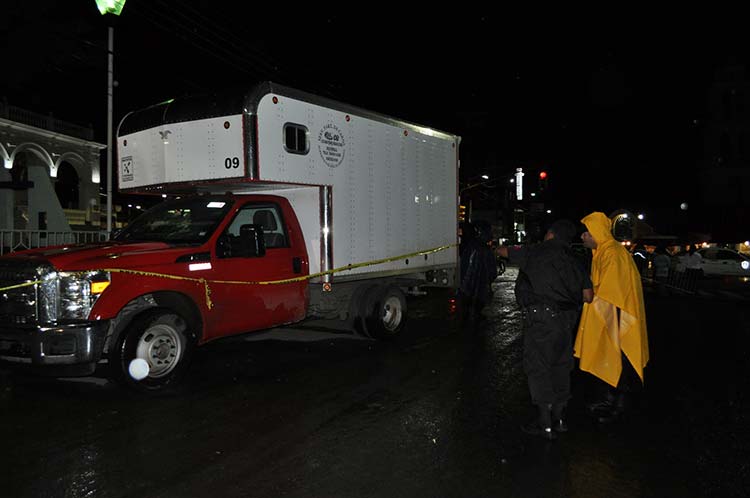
[{"x": 548, "y": 353}]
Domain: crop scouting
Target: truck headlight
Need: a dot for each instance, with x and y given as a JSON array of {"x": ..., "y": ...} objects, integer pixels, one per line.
[{"x": 79, "y": 291}]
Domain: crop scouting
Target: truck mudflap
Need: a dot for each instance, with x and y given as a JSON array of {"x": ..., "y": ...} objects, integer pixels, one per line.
[{"x": 62, "y": 349}]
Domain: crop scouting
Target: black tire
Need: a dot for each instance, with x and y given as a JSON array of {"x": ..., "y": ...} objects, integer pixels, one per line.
[
  {"x": 164, "y": 340},
  {"x": 384, "y": 313},
  {"x": 358, "y": 309}
]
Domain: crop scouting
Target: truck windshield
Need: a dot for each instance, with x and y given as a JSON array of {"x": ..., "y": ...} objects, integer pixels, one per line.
[{"x": 183, "y": 221}]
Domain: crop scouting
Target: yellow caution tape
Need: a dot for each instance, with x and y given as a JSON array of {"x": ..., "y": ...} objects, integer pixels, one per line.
[
  {"x": 25, "y": 284},
  {"x": 205, "y": 283}
]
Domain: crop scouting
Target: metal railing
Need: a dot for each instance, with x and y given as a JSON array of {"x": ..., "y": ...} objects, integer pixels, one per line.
[
  {"x": 18, "y": 240},
  {"x": 49, "y": 123}
]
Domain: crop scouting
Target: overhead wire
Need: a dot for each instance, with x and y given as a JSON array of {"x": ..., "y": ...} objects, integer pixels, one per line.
[
  {"x": 224, "y": 35},
  {"x": 204, "y": 31},
  {"x": 237, "y": 47},
  {"x": 195, "y": 83},
  {"x": 197, "y": 36},
  {"x": 189, "y": 37}
]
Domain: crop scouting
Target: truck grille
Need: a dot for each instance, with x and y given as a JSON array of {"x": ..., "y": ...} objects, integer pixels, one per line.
[{"x": 21, "y": 306}]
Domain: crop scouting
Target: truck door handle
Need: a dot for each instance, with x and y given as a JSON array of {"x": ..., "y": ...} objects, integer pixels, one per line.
[{"x": 297, "y": 265}]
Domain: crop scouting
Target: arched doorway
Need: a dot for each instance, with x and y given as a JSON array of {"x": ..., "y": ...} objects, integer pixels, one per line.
[
  {"x": 66, "y": 186},
  {"x": 20, "y": 177}
]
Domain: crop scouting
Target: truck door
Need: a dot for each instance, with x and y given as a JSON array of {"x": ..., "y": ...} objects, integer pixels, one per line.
[{"x": 243, "y": 308}]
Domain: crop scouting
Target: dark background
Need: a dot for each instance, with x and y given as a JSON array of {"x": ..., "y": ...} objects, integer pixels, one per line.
[{"x": 613, "y": 105}]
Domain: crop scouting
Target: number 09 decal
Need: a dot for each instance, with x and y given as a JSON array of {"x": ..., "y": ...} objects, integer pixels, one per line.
[{"x": 232, "y": 162}]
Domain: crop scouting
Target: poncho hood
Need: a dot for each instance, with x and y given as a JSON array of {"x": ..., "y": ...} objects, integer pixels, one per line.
[{"x": 600, "y": 227}]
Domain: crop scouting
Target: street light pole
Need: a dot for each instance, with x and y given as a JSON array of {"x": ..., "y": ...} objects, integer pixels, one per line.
[
  {"x": 110, "y": 94},
  {"x": 110, "y": 7}
]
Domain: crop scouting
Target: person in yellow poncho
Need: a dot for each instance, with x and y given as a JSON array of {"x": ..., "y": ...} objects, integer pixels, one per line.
[{"x": 612, "y": 342}]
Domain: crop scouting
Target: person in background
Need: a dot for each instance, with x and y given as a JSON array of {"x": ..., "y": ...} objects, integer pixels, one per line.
[
  {"x": 551, "y": 286},
  {"x": 640, "y": 256},
  {"x": 478, "y": 269},
  {"x": 661, "y": 263},
  {"x": 693, "y": 263},
  {"x": 612, "y": 341}
]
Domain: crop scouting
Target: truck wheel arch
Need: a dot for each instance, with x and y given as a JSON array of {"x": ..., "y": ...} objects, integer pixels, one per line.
[{"x": 180, "y": 303}]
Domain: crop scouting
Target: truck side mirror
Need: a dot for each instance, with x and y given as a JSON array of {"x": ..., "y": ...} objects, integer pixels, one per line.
[{"x": 252, "y": 242}]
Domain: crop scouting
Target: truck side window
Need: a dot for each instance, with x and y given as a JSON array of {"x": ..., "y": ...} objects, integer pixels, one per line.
[
  {"x": 295, "y": 139},
  {"x": 268, "y": 216}
]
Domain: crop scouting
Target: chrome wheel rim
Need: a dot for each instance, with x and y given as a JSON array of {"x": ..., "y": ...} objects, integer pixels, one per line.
[
  {"x": 161, "y": 346},
  {"x": 392, "y": 313}
]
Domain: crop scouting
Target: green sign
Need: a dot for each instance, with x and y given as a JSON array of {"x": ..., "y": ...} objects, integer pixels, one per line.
[{"x": 110, "y": 6}]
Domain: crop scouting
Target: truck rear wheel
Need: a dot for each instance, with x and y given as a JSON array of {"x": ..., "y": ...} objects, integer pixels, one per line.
[
  {"x": 384, "y": 313},
  {"x": 160, "y": 337}
]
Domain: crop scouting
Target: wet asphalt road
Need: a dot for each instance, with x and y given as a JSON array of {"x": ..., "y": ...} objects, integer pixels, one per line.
[{"x": 435, "y": 414}]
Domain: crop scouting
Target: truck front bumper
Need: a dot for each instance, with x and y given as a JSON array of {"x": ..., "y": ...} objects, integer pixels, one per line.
[{"x": 62, "y": 349}]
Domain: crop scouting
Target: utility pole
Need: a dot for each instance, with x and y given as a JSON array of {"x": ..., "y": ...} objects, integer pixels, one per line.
[
  {"x": 110, "y": 7},
  {"x": 110, "y": 94}
]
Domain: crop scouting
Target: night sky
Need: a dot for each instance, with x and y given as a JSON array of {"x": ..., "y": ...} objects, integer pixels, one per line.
[{"x": 611, "y": 106}]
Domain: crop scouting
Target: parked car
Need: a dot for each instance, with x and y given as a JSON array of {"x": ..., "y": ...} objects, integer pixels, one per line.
[{"x": 718, "y": 261}]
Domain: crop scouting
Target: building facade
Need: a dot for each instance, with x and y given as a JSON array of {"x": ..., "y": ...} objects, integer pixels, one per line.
[{"x": 49, "y": 179}]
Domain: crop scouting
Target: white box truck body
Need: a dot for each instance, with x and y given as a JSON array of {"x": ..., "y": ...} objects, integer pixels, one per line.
[
  {"x": 281, "y": 206},
  {"x": 365, "y": 187}
]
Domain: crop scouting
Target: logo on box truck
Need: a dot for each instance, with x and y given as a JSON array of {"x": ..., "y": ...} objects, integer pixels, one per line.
[
  {"x": 127, "y": 169},
  {"x": 331, "y": 145}
]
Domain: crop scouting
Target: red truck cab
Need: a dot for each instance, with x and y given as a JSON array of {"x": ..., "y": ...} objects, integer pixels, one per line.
[{"x": 187, "y": 271}]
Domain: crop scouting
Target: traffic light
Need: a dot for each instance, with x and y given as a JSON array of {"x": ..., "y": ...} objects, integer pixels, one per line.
[
  {"x": 461, "y": 213},
  {"x": 542, "y": 180}
]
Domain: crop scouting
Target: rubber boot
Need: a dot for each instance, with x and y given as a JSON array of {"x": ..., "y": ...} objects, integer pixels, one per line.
[
  {"x": 617, "y": 410},
  {"x": 558, "y": 418},
  {"x": 605, "y": 404},
  {"x": 542, "y": 426}
]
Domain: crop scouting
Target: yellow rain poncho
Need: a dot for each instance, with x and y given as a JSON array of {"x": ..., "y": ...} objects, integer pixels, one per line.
[{"x": 617, "y": 284}]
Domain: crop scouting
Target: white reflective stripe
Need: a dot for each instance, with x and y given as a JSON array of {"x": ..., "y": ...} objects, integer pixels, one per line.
[{"x": 199, "y": 266}]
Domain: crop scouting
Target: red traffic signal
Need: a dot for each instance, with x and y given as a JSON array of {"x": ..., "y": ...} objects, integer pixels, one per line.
[{"x": 542, "y": 180}]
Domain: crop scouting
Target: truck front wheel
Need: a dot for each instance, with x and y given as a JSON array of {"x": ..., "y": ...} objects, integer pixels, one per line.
[
  {"x": 385, "y": 312},
  {"x": 163, "y": 340}
]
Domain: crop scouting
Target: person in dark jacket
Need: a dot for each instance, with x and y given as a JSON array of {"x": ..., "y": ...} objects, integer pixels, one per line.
[
  {"x": 478, "y": 268},
  {"x": 551, "y": 287}
]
